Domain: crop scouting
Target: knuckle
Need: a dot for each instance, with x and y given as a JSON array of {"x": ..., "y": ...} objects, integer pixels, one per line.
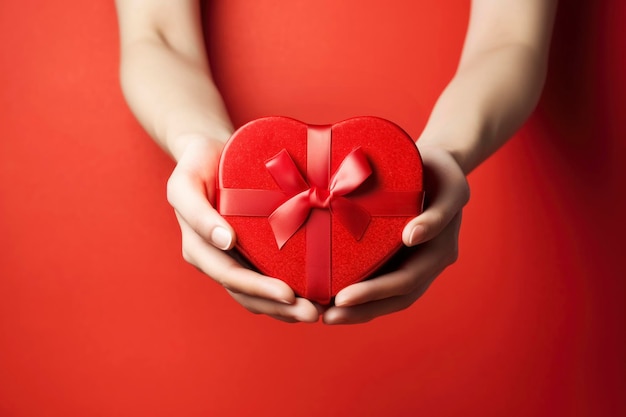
[
  {"x": 227, "y": 285},
  {"x": 222, "y": 281},
  {"x": 247, "y": 305},
  {"x": 230, "y": 277},
  {"x": 186, "y": 249},
  {"x": 225, "y": 279},
  {"x": 187, "y": 255},
  {"x": 245, "y": 302},
  {"x": 253, "y": 310},
  {"x": 171, "y": 187}
]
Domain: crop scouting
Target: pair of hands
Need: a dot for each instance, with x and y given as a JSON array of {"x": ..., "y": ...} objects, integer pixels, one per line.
[{"x": 432, "y": 239}]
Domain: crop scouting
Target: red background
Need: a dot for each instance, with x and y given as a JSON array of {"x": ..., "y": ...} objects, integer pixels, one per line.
[{"x": 100, "y": 316}]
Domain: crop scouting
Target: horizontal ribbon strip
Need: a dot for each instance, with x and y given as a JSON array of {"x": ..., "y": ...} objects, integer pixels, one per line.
[{"x": 261, "y": 203}]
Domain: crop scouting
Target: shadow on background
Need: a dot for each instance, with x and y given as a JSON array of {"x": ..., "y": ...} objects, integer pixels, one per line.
[
  {"x": 580, "y": 110},
  {"x": 578, "y": 136}
]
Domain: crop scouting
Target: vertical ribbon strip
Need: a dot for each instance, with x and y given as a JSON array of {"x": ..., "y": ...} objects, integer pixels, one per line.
[{"x": 314, "y": 201}]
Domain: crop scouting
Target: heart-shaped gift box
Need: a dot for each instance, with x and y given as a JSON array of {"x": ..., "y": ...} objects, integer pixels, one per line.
[{"x": 319, "y": 207}]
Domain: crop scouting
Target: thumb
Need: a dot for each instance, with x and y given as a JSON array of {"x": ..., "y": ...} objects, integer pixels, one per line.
[{"x": 447, "y": 192}]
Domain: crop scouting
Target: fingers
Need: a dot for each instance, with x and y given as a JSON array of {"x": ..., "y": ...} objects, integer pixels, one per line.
[
  {"x": 399, "y": 289},
  {"x": 206, "y": 236},
  {"x": 187, "y": 192},
  {"x": 424, "y": 264},
  {"x": 366, "y": 312},
  {"x": 400, "y": 282},
  {"x": 447, "y": 191},
  {"x": 230, "y": 274},
  {"x": 302, "y": 310},
  {"x": 435, "y": 230},
  {"x": 193, "y": 208}
]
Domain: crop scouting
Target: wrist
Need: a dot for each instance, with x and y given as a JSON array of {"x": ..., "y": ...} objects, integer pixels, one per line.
[
  {"x": 177, "y": 146},
  {"x": 462, "y": 153},
  {"x": 177, "y": 143},
  {"x": 176, "y": 128},
  {"x": 462, "y": 134}
]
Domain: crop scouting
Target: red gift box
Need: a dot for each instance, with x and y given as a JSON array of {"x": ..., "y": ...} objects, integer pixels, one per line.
[{"x": 319, "y": 207}]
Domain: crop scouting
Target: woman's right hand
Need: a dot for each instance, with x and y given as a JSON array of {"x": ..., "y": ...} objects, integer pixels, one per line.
[{"x": 207, "y": 238}]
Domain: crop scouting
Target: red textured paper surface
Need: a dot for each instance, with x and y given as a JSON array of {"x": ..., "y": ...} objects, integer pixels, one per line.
[{"x": 397, "y": 167}]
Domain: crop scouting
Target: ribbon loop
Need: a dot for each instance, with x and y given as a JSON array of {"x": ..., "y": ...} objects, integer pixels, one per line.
[
  {"x": 285, "y": 173},
  {"x": 293, "y": 213},
  {"x": 352, "y": 172}
]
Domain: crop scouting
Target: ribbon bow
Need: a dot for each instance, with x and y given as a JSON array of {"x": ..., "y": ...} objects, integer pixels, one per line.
[{"x": 293, "y": 213}]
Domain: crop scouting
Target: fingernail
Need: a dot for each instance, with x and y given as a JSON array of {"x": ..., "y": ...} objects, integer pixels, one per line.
[
  {"x": 341, "y": 301},
  {"x": 221, "y": 238},
  {"x": 417, "y": 234}
]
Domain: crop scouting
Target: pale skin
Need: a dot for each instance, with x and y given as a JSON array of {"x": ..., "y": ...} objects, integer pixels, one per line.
[{"x": 167, "y": 82}]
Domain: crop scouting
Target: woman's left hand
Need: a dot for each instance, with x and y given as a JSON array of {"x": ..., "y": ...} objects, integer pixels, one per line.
[{"x": 433, "y": 240}]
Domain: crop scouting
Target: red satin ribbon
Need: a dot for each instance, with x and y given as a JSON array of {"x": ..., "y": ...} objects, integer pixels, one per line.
[
  {"x": 293, "y": 213},
  {"x": 313, "y": 202}
]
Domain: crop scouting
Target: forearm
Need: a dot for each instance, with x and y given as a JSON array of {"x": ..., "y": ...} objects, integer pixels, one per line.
[
  {"x": 488, "y": 99},
  {"x": 165, "y": 74},
  {"x": 171, "y": 97},
  {"x": 498, "y": 81}
]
